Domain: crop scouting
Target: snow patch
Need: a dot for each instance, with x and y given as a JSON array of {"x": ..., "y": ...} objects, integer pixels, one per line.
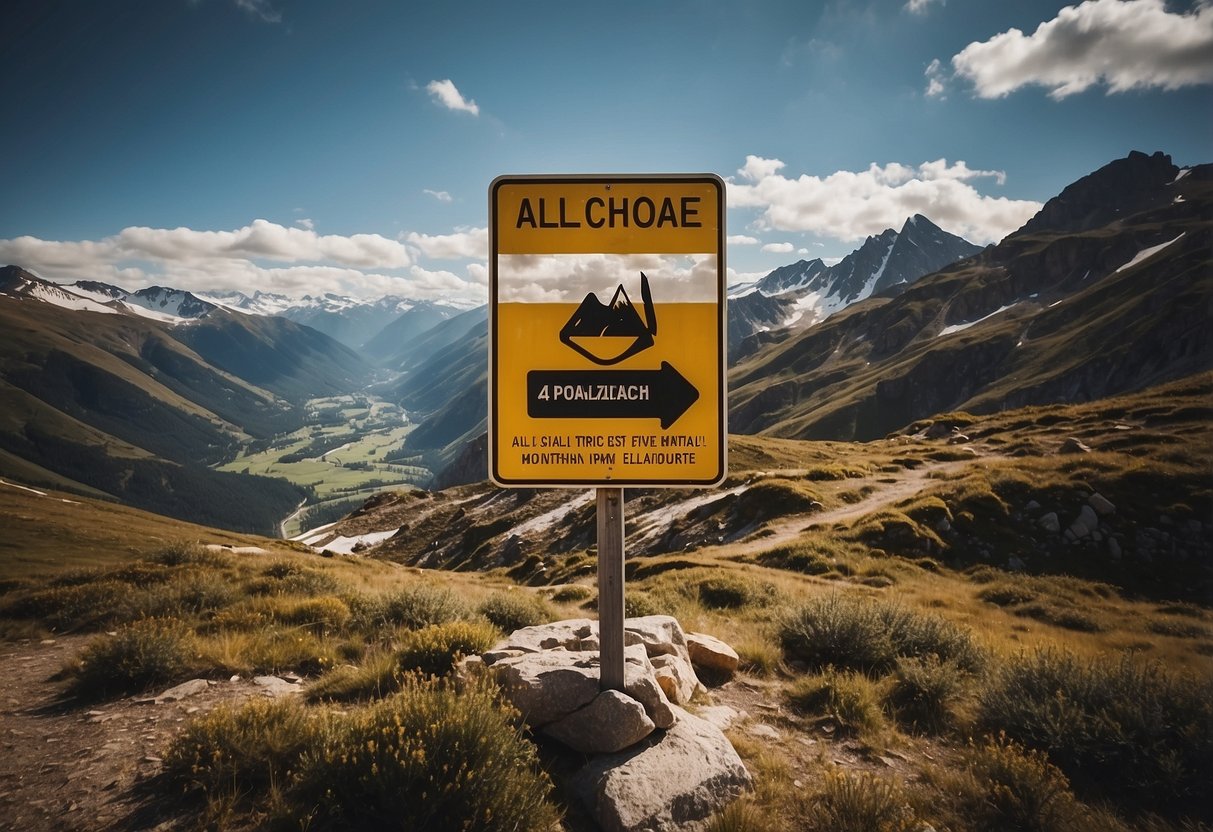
[
  {"x": 345, "y": 545},
  {"x": 948, "y": 330},
  {"x": 543, "y": 522},
  {"x": 23, "y": 488},
  {"x": 1146, "y": 253}
]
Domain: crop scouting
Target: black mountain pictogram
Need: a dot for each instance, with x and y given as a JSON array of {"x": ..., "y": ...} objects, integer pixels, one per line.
[{"x": 609, "y": 333}]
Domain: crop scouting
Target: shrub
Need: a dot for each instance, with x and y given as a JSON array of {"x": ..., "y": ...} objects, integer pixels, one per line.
[
  {"x": 287, "y": 577},
  {"x": 640, "y": 604},
  {"x": 185, "y": 553},
  {"x": 65, "y": 608},
  {"x": 1126, "y": 730},
  {"x": 572, "y": 594},
  {"x": 511, "y": 611},
  {"x": 836, "y": 631},
  {"x": 859, "y": 803},
  {"x": 141, "y": 654},
  {"x": 923, "y": 691},
  {"x": 733, "y": 591},
  {"x": 434, "y": 650},
  {"x": 870, "y": 636},
  {"x": 377, "y": 676},
  {"x": 421, "y": 605},
  {"x": 243, "y": 750},
  {"x": 850, "y": 698},
  {"x": 322, "y": 615},
  {"x": 427, "y": 758}
]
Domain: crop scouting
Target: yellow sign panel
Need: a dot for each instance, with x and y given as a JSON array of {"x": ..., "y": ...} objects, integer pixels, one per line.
[{"x": 607, "y": 322}]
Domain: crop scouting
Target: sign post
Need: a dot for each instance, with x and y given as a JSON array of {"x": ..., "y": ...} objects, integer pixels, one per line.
[{"x": 607, "y": 346}]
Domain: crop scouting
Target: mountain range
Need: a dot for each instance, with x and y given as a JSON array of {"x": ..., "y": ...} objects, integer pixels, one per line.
[{"x": 1106, "y": 290}]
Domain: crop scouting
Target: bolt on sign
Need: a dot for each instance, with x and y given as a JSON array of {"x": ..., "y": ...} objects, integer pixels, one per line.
[{"x": 607, "y": 330}]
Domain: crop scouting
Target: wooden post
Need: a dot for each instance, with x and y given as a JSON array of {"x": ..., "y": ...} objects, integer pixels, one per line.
[{"x": 610, "y": 588}]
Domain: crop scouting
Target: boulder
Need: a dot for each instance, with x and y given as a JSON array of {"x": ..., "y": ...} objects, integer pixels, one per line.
[
  {"x": 1073, "y": 446},
  {"x": 612, "y": 722},
  {"x": 1050, "y": 522},
  {"x": 676, "y": 677},
  {"x": 675, "y": 780},
  {"x": 660, "y": 635},
  {"x": 1101, "y": 504},
  {"x": 711, "y": 654},
  {"x": 640, "y": 684},
  {"x": 547, "y": 686}
]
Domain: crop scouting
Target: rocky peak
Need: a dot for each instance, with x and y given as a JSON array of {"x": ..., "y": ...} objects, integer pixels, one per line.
[{"x": 1118, "y": 189}]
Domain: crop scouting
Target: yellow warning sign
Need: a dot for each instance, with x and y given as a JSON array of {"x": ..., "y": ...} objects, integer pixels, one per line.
[{"x": 607, "y": 322}]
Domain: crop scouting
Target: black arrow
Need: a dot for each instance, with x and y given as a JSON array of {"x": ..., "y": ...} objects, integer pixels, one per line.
[{"x": 609, "y": 394}]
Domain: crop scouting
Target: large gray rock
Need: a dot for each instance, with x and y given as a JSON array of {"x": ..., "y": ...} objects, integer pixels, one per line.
[
  {"x": 660, "y": 635},
  {"x": 612, "y": 722},
  {"x": 547, "y": 686},
  {"x": 672, "y": 782}
]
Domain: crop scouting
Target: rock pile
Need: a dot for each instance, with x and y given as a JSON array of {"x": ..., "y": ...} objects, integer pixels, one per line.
[{"x": 659, "y": 766}]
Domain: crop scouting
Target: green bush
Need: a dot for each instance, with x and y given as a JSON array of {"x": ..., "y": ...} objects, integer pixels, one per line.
[
  {"x": 434, "y": 650},
  {"x": 75, "y": 607},
  {"x": 187, "y": 553},
  {"x": 511, "y": 611},
  {"x": 841, "y": 631},
  {"x": 850, "y": 698},
  {"x": 572, "y": 593},
  {"x": 139, "y": 655},
  {"x": 923, "y": 691},
  {"x": 1125, "y": 730},
  {"x": 859, "y": 803},
  {"x": 377, "y": 676},
  {"x": 733, "y": 591},
  {"x": 243, "y": 750},
  {"x": 326, "y": 614},
  {"x": 427, "y": 758},
  {"x": 421, "y": 605},
  {"x": 837, "y": 631}
]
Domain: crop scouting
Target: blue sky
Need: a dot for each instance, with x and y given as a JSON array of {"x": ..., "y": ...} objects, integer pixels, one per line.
[{"x": 309, "y": 146}]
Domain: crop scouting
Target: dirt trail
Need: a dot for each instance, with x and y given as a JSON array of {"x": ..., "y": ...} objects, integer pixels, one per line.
[
  {"x": 77, "y": 769},
  {"x": 908, "y": 483}
]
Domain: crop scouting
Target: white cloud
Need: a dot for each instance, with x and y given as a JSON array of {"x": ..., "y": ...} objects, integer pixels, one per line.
[
  {"x": 470, "y": 243},
  {"x": 850, "y": 205},
  {"x": 935, "y": 79},
  {"x": 741, "y": 240},
  {"x": 262, "y": 9},
  {"x": 446, "y": 94},
  {"x": 305, "y": 223},
  {"x": 779, "y": 248},
  {"x": 921, "y": 6},
  {"x": 441, "y": 196},
  {"x": 362, "y": 265},
  {"x": 567, "y": 278},
  {"x": 1125, "y": 44}
]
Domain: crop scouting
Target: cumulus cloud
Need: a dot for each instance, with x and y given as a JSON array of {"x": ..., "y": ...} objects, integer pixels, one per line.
[
  {"x": 741, "y": 240},
  {"x": 936, "y": 76},
  {"x": 262, "y": 255},
  {"x": 441, "y": 196},
  {"x": 779, "y": 248},
  {"x": 568, "y": 278},
  {"x": 850, "y": 205},
  {"x": 446, "y": 94},
  {"x": 1123, "y": 44},
  {"x": 464, "y": 243}
]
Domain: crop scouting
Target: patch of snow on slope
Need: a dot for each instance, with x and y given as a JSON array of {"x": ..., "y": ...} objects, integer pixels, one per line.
[
  {"x": 543, "y": 522},
  {"x": 345, "y": 545},
  {"x": 948, "y": 330},
  {"x": 312, "y": 535},
  {"x": 23, "y": 488},
  {"x": 1147, "y": 253},
  {"x": 152, "y": 314},
  {"x": 69, "y": 300},
  {"x": 658, "y": 520}
]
